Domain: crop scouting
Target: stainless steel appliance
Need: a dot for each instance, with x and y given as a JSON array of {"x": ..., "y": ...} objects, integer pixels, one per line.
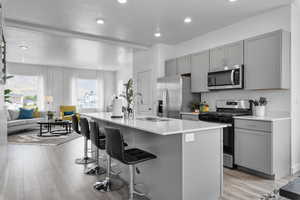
[
  {"x": 174, "y": 96},
  {"x": 229, "y": 78},
  {"x": 225, "y": 111}
]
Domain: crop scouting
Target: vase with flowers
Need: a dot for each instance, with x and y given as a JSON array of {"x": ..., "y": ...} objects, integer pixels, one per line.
[
  {"x": 259, "y": 106},
  {"x": 130, "y": 96}
]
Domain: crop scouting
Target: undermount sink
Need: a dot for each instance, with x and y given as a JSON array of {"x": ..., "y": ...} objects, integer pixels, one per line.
[{"x": 153, "y": 119}]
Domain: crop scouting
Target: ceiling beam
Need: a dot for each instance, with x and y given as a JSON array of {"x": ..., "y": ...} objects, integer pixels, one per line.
[{"x": 74, "y": 34}]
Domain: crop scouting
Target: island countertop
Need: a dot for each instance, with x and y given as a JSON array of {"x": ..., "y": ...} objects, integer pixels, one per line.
[{"x": 167, "y": 126}]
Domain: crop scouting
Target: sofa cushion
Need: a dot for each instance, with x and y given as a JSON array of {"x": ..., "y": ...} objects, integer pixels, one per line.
[
  {"x": 33, "y": 120},
  {"x": 26, "y": 114},
  {"x": 18, "y": 122},
  {"x": 68, "y": 113},
  {"x": 14, "y": 114}
]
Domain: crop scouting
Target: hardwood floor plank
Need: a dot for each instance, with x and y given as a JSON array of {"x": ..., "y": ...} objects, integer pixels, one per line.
[{"x": 49, "y": 173}]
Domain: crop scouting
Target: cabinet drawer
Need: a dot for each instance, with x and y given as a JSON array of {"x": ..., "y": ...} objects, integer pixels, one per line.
[
  {"x": 253, "y": 125},
  {"x": 190, "y": 117}
]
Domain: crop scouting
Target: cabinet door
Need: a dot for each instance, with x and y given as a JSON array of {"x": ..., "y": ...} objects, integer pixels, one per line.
[
  {"x": 217, "y": 58},
  {"x": 234, "y": 54},
  {"x": 190, "y": 117},
  {"x": 170, "y": 67},
  {"x": 184, "y": 65},
  {"x": 263, "y": 62},
  {"x": 199, "y": 70},
  {"x": 253, "y": 150}
]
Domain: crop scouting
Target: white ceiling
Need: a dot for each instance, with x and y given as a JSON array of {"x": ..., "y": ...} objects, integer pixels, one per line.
[
  {"x": 47, "y": 49},
  {"x": 138, "y": 19},
  {"x": 134, "y": 23}
]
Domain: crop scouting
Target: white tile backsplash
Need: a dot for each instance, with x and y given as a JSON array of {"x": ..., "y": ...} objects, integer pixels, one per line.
[{"x": 278, "y": 100}]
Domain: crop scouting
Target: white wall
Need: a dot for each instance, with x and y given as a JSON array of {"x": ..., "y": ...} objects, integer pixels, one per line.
[
  {"x": 267, "y": 22},
  {"x": 58, "y": 82},
  {"x": 152, "y": 59},
  {"x": 124, "y": 73},
  {"x": 295, "y": 90}
]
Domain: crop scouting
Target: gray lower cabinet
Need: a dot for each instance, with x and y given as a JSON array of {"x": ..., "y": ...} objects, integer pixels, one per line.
[
  {"x": 253, "y": 150},
  {"x": 184, "y": 65},
  {"x": 267, "y": 61},
  {"x": 190, "y": 117},
  {"x": 199, "y": 70},
  {"x": 263, "y": 146},
  {"x": 171, "y": 67}
]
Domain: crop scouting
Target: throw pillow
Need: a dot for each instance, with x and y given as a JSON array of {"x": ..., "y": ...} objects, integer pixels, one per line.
[
  {"x": 68, "y": 113},
  {"x": 26, "y": 114},
  {"x": 37, "y": 114},
  {"x": 14, "y": 114}
]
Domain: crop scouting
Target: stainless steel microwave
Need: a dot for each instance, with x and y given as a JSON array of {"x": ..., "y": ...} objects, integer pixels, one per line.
[{"x": 229, "y": 78}]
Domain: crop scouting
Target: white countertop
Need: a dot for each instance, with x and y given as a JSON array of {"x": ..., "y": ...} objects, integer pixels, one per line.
[
  {"x": 173, "y": 126},
  {"x": 269, "y": 117}
]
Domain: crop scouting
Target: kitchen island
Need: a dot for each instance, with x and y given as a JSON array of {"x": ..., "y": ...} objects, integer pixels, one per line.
[{"x": 189, "y": 164}]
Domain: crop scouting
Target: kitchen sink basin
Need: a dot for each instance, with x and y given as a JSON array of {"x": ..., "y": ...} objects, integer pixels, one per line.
[{"x": 153, "y": 119}]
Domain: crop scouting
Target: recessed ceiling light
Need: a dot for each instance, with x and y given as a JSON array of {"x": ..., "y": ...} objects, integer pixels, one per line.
[
  {"x": 232, "y": 0},
  {"x": 122, "y": 1},
  {"x": 157, "y": 34},
  {"x": 23, "y": 47},
  {"x": 99, "y": 21},
  {"x": 187, "y": 20}
]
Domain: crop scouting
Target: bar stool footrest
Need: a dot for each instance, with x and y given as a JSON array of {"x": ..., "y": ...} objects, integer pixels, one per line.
[
  {"x": 95, "y": 170},
  {"x": 109, "y": 185},
  {"x": 84, "y": 161}
]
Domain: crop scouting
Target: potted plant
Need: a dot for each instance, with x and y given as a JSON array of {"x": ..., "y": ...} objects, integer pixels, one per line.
[
  {"x": 129, "y": 95},
  {"x": 7, "y": 95},
  {"x": 195, "y": 106},
  {"x": 259, "y": 106}
]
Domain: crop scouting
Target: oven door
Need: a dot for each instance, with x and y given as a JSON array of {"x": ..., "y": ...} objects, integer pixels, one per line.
[{"x": 226, "y": 79}]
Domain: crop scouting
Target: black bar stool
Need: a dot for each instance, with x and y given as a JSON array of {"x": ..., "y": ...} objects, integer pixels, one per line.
[
  {"x": 98, "y": 139},
  {"x": 109, "y": 183},
  {"x": 85, "y": 132},
  {"x": 131, "y": 157}
]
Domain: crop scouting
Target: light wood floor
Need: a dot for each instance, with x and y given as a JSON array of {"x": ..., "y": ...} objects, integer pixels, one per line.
[{"x": 49, "y": 173}]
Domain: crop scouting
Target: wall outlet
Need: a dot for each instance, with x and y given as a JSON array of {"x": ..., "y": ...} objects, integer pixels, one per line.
[{"x": 190, "y": 137}]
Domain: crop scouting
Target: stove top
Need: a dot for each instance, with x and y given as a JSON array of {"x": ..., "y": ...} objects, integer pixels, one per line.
[
  {"x": 225, "y": 114},
  {"x": 226, "y": 110}
]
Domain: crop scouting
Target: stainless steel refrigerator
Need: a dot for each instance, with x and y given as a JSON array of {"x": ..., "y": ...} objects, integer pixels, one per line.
[{"x": 175, "y": 96}]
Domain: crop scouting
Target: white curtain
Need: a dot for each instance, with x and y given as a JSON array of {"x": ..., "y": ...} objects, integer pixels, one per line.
[
  {"x": 61, "y": 84},
  {"x": 30, "y": 70}
]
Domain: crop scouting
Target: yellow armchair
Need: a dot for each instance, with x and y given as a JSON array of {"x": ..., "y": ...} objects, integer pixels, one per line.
[{"x": 66, "y": 112}]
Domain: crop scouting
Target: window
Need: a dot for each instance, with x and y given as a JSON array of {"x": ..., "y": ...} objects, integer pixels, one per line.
[
  {"x": 26, "y": 92},
  {"x": 86, "y": 93}
]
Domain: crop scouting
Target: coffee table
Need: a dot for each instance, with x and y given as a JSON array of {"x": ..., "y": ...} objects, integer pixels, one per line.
[{"x": 49, "y": 124}]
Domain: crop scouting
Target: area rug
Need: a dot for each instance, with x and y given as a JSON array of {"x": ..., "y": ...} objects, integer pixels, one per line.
[{"x": 32, "y": 138}]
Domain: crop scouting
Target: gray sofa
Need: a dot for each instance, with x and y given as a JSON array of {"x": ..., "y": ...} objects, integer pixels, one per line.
[{"x": 16, "y": 125}]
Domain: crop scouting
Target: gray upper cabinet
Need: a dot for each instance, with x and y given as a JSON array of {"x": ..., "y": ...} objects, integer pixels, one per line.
[
  {"x": 234, "y": 53},
  {"x": 227, "y": 55},
  {"x": 199, "y": 70},
  {"x": 184, "y": 65},
  {"x": 170, "y": 67},
  {"x": 217, "y": 58},
  {"x": 267, "y": 61}
]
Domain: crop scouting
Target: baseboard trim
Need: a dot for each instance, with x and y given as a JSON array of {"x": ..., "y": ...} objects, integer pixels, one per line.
[{"x": 296, "y": 168}]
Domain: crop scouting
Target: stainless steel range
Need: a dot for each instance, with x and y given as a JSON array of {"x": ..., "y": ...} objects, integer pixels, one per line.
[{"x": 225, "y": 111}]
